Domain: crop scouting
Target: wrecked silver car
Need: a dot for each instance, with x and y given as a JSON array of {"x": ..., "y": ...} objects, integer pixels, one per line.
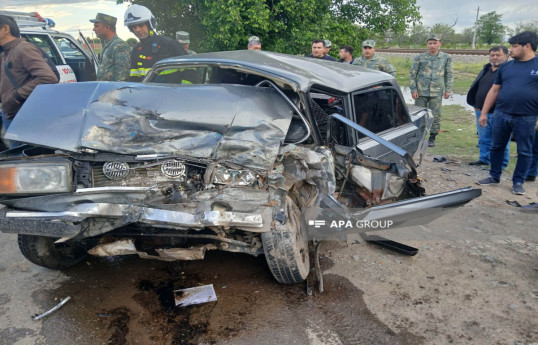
[{"x": 243, "y": 151}]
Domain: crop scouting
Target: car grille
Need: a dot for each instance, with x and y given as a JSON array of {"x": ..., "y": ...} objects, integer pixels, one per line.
[{"x": 122, "y": 174}]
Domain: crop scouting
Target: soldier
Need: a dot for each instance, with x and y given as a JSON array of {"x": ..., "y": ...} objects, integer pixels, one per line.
[
  {"x": 371, "y": 61},
  {"x": 254, "y": 43},
  {"x": 183, "y": 38},
  {"x": 114, "y": 58},
  {"x": 328, "y": 46},
  {"x": 430, "y": 79},
  {"x": 152, "y": 47}
]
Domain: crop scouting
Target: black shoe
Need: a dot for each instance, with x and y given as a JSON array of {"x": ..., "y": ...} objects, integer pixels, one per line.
[
  {"x": 431, "y": 140},
  {"x": 487, "y": 180},
  {"x": 530, "y": 178},
  {"x": 478, "y": 162}
]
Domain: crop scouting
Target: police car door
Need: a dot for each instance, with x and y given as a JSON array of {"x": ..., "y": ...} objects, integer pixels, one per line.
[{"x": 45, "y": 42}]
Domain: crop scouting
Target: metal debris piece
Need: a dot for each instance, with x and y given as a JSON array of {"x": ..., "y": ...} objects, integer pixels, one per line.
[
  {"x": 58, "y": 306},
  {"x": 195, "y": 295}
]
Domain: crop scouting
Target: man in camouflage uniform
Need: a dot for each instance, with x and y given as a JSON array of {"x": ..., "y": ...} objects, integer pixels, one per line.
[
  {"x": 183, "y": 38},
  {"x": 430, "y": 79},
  {"x": 114, "y": 58},
  {"x": 371, "y": 61}
]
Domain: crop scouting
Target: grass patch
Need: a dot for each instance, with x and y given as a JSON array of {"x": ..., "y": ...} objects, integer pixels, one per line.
[{"x": 460, "y": 139}]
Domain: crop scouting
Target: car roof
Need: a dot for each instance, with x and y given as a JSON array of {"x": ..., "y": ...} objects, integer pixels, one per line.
[{"x": 302, "y": 71}]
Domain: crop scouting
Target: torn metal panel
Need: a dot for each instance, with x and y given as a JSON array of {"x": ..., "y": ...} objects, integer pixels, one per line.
[
  {"x": 195, "y": 295},
  {"x": 128, "y": 247},
  {"x": 242, "y": 125}
]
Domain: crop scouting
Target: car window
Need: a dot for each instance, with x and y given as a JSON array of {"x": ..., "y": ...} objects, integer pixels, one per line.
[
  {"x": 74, "y": 56},
  {"x": 379, "y": 109},
  {"x": 44, "y": 42}
]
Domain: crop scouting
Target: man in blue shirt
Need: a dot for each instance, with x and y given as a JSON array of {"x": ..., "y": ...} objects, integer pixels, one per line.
[{"x": 515, "y": 92}]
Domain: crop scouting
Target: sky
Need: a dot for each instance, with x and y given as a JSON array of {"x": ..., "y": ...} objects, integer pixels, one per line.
[{"x": 74, "y": 15}]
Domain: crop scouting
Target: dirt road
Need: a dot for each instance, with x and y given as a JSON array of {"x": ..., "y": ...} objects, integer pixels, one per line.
[{"x": 474, "y": 281}]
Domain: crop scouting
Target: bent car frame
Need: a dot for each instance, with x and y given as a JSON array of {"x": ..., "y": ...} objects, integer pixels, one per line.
[{"x": 237, "y": 151}]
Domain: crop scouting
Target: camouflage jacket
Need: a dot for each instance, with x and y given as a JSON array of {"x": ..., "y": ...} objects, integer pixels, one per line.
[
  {"x": 114, "y": 60},
  {"x": 191, "y": 52},
  {"x": 376, "y": 62},
  {"x": 431, "y": 75}
]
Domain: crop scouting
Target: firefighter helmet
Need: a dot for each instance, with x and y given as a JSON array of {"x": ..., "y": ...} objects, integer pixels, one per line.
[{"x": 138, "y": 14}]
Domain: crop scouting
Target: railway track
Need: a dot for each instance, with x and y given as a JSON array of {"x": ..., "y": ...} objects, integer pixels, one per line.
[{"x": 449, "y": 51}]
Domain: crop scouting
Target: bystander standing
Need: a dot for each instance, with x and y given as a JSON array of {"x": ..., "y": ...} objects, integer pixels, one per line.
[
  {"x": 23, "y": 68},
  {"x": 254, "y": 43},
  {"x": 476, "y": 97},
  {"x": 515, "y": 96},
  {"x": 318, "y": 51},
  {"x": 346, "y": 54}
]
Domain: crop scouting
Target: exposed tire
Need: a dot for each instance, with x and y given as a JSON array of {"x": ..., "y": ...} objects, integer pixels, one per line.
[
  {"x": 42, "y": 251},
  {"x": 286, "y": 248}
]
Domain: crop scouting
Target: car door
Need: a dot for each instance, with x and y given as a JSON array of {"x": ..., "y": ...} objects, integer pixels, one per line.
[
  {"x": 75, "y": 56},
  {"x": 381, "y": 110},
  {"x": 45, "y": 42}
]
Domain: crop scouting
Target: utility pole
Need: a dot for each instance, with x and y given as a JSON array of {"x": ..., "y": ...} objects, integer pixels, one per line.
[{"x": 475, "y": 27}]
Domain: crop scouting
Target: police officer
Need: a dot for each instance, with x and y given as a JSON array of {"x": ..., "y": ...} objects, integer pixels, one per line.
[
  {"x": 369, "y": 60},
  {"x": 182, "y": 37},
  {"x": 430, "y": 79},
  {"x": 152, "y": 47},
  {"x": 114, "y": 58}
]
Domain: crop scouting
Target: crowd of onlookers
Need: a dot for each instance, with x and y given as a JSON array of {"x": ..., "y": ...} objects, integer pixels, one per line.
[{"x": 504, "y": 94}]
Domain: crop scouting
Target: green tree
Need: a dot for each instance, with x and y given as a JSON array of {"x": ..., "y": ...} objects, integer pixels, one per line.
[
  {"x": 446, "y": 31},
  {"x": 531, "y": 25},
  {"x": 286, "y": 26},
  {"x": 490, "y": 28}
]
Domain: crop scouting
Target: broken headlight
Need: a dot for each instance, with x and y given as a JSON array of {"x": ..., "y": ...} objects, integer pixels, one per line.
[
  {"x": 34, "y": 178},
  {"x": 223, "y": 175}
]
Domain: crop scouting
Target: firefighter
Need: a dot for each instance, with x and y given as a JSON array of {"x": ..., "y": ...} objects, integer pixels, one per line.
[{"x": 152, "y": 47}]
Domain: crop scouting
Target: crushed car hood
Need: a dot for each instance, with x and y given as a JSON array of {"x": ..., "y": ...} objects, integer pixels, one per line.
[{"x": 243, "y": 125}]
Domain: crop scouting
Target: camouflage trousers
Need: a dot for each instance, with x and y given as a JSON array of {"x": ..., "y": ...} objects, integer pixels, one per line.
[{"x": 434, "y": 103}]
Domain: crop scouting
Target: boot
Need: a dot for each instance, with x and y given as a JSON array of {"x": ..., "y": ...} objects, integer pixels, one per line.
[{"x": 431, "y": 140}]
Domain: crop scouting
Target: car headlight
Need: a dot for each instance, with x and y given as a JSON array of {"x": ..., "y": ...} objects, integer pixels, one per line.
[{"x": 35, "y": 178}]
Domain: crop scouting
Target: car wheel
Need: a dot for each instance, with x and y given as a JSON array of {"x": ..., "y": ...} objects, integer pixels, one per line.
[
  {"x": 44, "y": 252},
  {"x": 286, "y": 248}
]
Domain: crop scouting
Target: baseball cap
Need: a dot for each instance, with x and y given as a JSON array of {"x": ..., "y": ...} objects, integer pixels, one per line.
[
  {"x": 434, "y": 37},
  {"x": 328, "y": 43}
]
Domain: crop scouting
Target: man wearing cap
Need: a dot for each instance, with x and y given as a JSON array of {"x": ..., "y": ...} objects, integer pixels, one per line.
[
  {"x": 254, "y": 43},
  {"x": 318, "y": 51},
  {"x": 328, "y": 46},
  {"x": 182, "y": 37},
  {"x": 114, "y": 58},
  {"x": 369, "y": 60},
  {"x": 430, "y": 79}
]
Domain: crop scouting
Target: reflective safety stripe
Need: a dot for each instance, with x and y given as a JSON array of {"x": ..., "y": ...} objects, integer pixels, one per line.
[
  {"x": 168, "y": 71},
  {"x": 139, "y": 72},
  {"x": 185, "y": 82}
]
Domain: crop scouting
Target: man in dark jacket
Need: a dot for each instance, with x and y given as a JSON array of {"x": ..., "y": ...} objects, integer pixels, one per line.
[
  {"x": 152, "y": 47},
  {"x": 476, "y": 96},
  {"x": 22, "y": 68}
]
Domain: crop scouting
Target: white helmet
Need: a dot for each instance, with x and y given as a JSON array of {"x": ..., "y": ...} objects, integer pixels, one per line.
[{"x": 138, "y": 14}]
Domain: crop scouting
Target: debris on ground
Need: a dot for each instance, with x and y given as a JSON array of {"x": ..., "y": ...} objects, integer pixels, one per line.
[
  {"x": 58, "y": 306},
  {"x": 195, "y": 295}
]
